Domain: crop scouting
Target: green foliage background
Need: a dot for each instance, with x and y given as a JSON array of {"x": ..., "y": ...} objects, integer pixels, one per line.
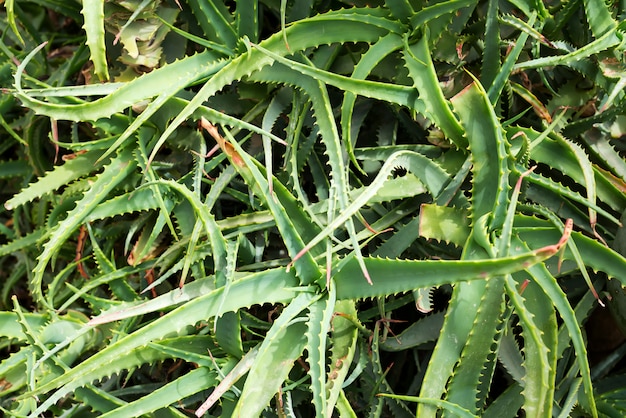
[{"x": 312, "y": 208}]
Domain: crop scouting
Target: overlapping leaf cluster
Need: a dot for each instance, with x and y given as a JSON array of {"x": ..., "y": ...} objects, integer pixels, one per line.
[{"x": 242, "y": 216}]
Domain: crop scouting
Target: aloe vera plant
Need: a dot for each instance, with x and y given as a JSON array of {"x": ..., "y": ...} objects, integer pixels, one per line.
[{"x": 296, "y": 209}]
